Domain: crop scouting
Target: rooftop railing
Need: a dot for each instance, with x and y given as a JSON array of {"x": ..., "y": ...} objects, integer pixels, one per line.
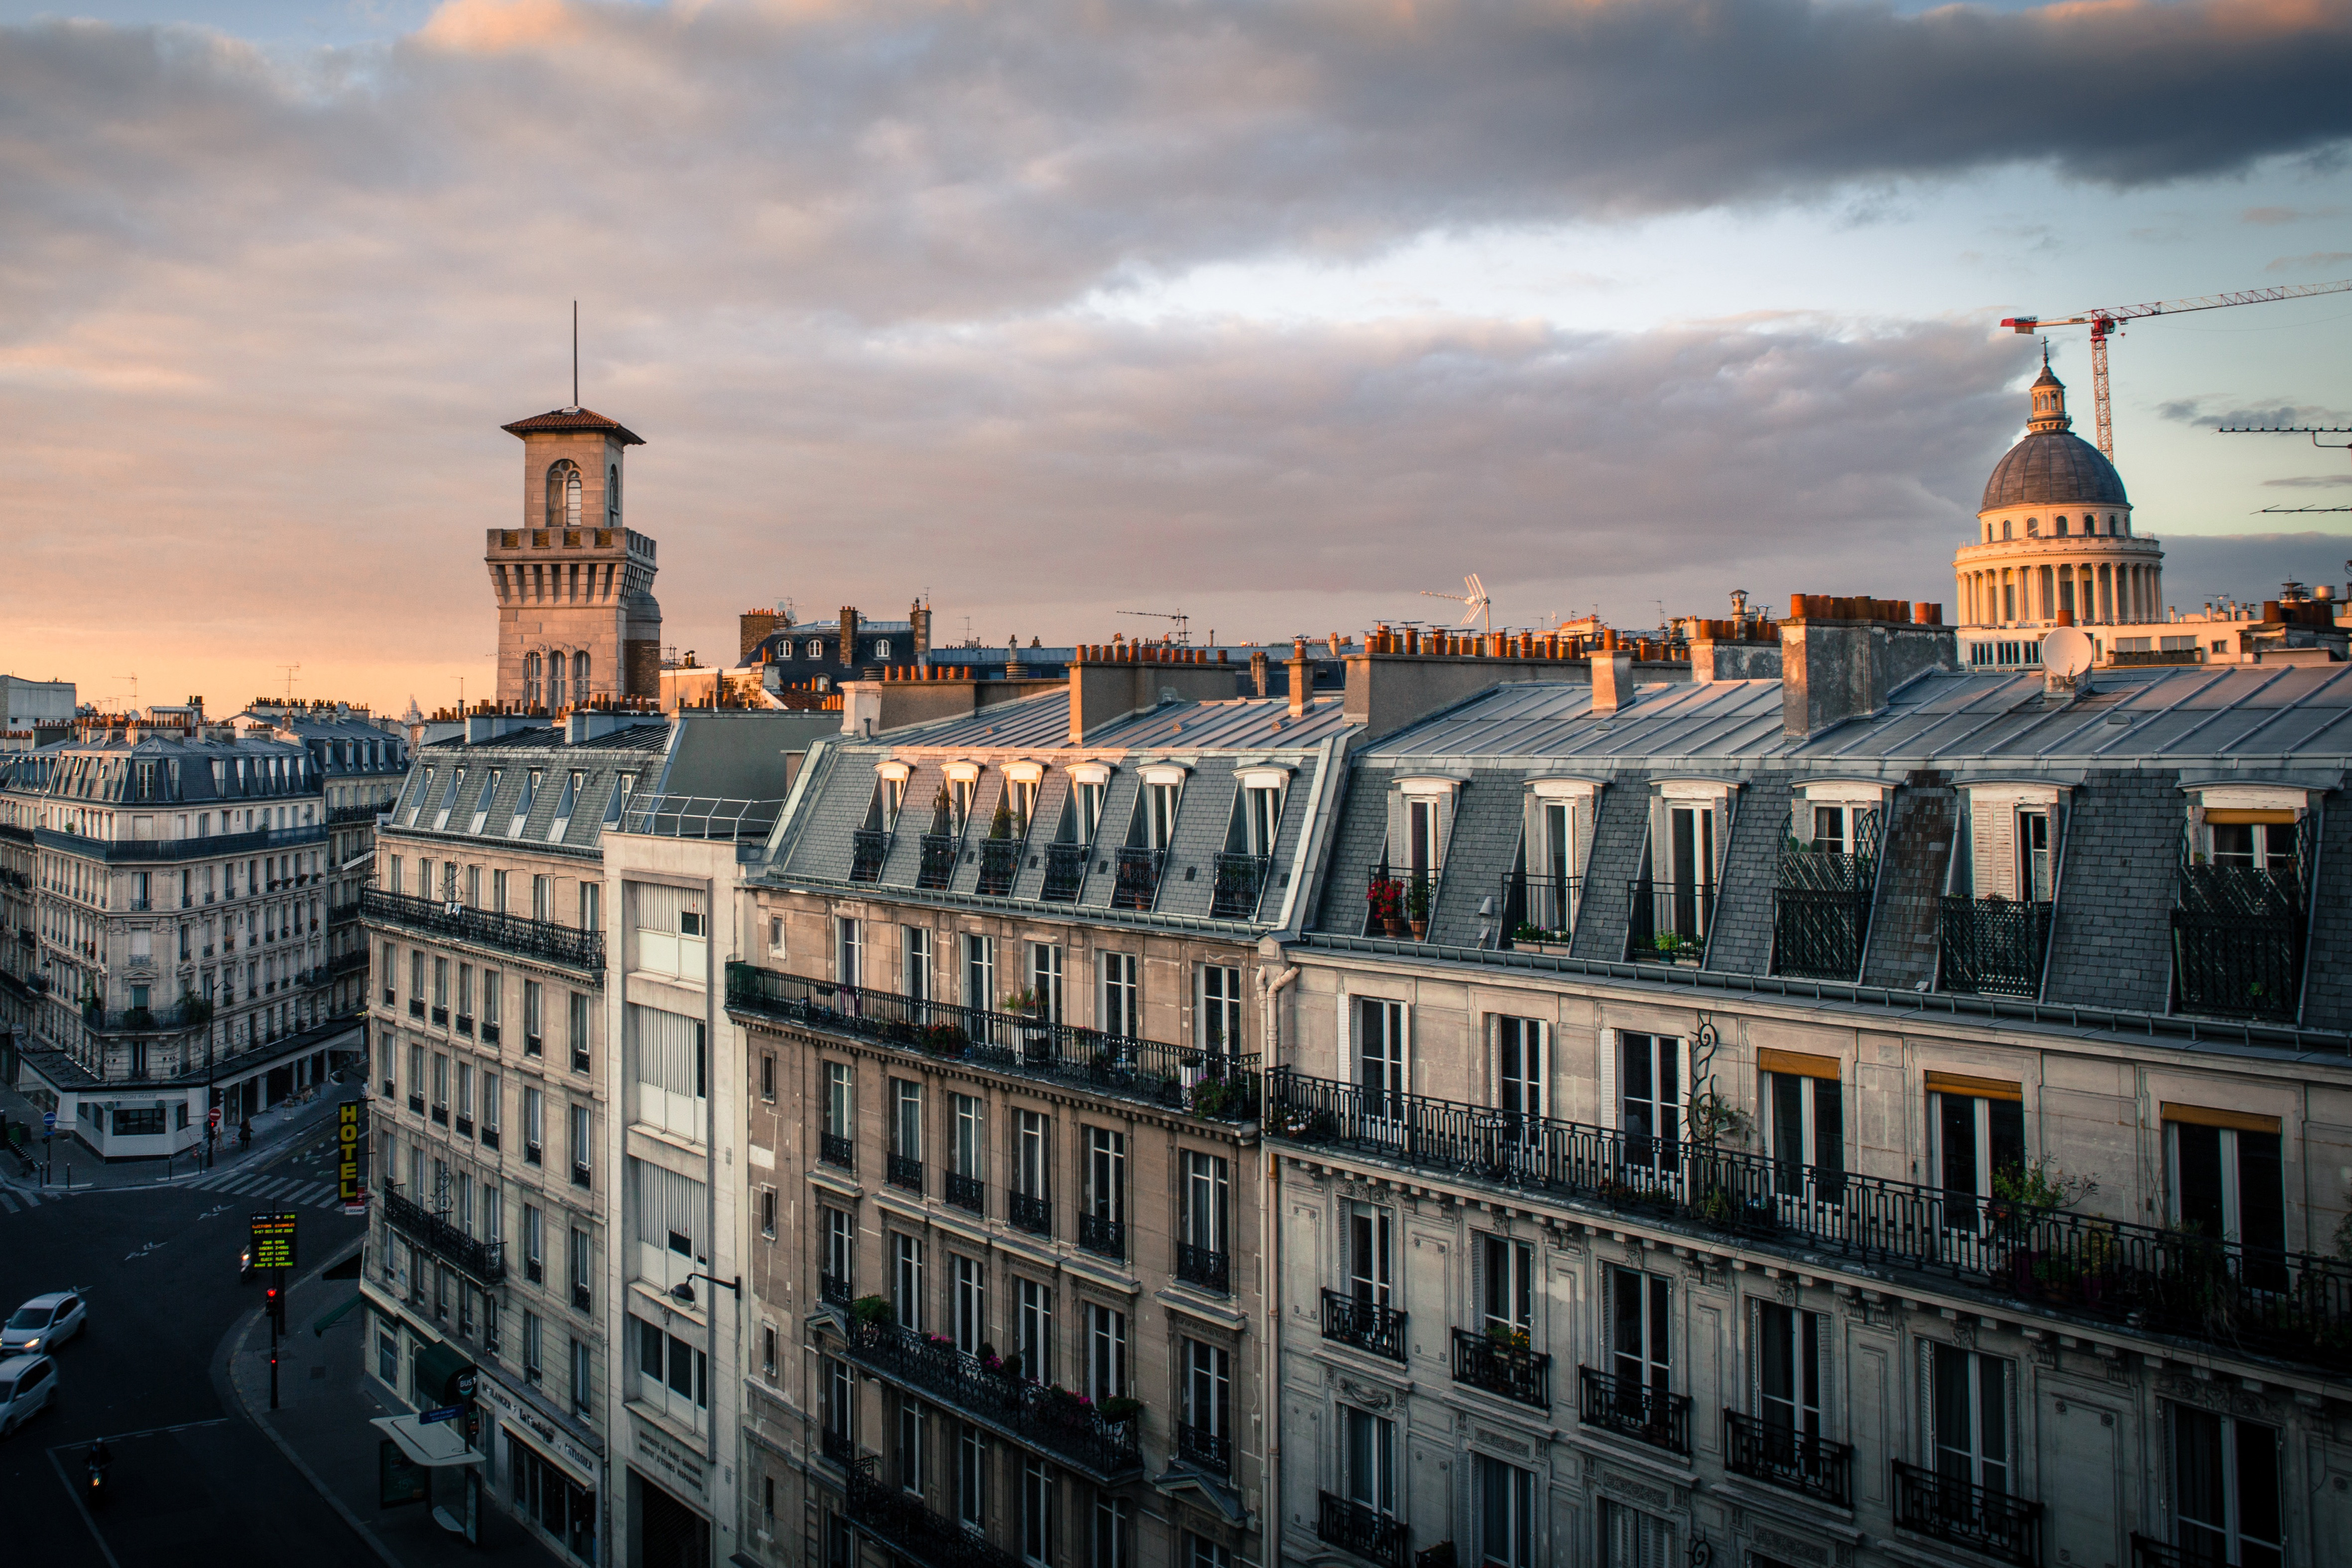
[
  {"x": 1994, "y": 945},
  {"x": 1821, "y": 906},
  {"x": 2297, "y": 1306},
  {"x": 1065, "y": 872},
  {"x": 1539, "y": 907},
  {"x": 700, "y": 817},
  {"x": 869, "y": 847},
  {"x": 939, "y": 860},
  {"x": 999, "y": 862},
  {"x": 508, "y": 932},
  {"x": 1202, "y": 1084},
  {"x": 1049, "y": 1420}
]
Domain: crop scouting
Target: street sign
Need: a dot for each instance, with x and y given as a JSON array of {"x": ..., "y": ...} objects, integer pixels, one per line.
[
  {"x": 212, "y": 1118},
  {"x": 347, "y": 1153},
  {"x": 273, "y": 1241},
  {"x": 446, "y": 1413},
  {"x": 48, "y": 1121}
]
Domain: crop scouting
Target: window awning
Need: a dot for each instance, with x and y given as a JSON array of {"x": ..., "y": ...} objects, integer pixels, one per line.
[{"x": 437, "y": 1446}]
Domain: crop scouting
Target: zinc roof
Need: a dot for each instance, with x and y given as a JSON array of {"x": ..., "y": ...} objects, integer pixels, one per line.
[{"x": 1042, "y": 722}]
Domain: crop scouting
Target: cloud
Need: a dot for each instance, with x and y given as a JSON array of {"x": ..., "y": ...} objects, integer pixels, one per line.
[
  {"x": 2309, "y": 262},
  {"x": 2195, "y": 410},
  {"x": 2311, "y": 482}
]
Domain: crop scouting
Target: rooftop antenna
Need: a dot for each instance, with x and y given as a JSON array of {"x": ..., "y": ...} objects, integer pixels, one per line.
[
  {"x": 291, "y": 669},
  {"x": 133, "y": 679},
  {"x": 1475, "y": 596},
  {"x": 575, "y": 354}
]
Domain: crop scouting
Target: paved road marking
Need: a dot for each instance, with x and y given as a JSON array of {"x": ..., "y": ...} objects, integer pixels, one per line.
[
  {"x": 9, "y": 1204},
  {"x": 81, "y": 1506}
]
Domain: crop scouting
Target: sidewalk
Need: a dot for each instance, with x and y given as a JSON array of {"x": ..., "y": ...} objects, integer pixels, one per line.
[
  {"x": 325, "y": 1404},
  {"x": 274, "y": 1130}
]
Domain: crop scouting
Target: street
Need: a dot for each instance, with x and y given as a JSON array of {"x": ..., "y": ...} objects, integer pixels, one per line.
[{"x": 192, "y": 1480}]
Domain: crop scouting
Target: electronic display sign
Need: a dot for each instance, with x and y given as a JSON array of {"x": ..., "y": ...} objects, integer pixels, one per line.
[{"x": 273, "y": 1241}]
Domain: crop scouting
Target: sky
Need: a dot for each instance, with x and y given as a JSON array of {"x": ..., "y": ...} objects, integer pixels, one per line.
[{"x": 1274, "y": 313}]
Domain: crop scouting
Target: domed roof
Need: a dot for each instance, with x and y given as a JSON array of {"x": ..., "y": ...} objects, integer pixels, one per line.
[
  {"x": 2052, "y": 465},
  {"x": 2053, "y": 468}
]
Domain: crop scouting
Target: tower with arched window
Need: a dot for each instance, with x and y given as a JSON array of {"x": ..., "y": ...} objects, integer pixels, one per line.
[{"x": 578, "y": 622}]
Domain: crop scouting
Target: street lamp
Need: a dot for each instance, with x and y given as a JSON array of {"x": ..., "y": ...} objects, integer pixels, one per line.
[{"x": 684, "y": 1289}]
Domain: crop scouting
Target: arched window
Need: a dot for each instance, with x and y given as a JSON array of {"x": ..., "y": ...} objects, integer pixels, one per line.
[
  {"x": 2004, "y": 527},
  {"x": 882, "y": 647},
  {"x": 613, "y": 496},
  {"x": 815, "y": 649},
  {"x": 2113, "y": 527},
  {"x": 563, "y": 495},
  {"x": 530, "y": 680},
  {"x": 580, "y": 677},
  {"x": 2061, "y": 526},
  {"x": 2032, "y": 528},
  {"x": 1987, "y": 533},
  {"x": 555, "y": 664}
]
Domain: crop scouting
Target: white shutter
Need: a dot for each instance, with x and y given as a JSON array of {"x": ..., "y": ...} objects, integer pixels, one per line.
[
  {"x": 1684, "y": 1089},
  {"x": 1542, "y": 1075},
  {"x": 1993, "y": 833},
  {"x": 1398, "y": 848},
  {"x": 1755, "y": 1358},
  {"x": 1606, "y": 1113},
  {"x": 1444, "y": 807},
  {"x": 1927, "y": 1421}
]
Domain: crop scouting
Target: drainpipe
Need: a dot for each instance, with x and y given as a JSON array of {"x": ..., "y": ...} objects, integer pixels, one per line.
[{"x": 1270, "y": 1512}]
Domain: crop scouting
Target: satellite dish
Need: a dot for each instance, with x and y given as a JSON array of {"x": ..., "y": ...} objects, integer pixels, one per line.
[{"x": 2067, "y": 652}]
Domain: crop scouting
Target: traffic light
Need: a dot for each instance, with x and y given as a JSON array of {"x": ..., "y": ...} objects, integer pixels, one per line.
[{"x": 275, "y": 1300}]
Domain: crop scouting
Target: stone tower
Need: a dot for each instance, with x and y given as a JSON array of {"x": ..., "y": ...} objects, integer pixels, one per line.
[{"x": 577, "y": 618}]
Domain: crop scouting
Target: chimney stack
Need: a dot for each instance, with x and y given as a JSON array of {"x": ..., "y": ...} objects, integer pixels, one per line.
[
  {"x": 1844, "y": 658},
  {"x": 849, "y": 635},
  {"x": 1302, "y": 677},
  {"x": 1613, "y": 681}
]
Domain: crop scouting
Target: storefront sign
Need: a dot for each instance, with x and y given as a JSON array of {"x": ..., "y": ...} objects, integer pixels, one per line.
[
  {"x": 544, "y": 1433},
  {"x": 273, "y": 1241},
  {"x": 672, "y": 1460},
  {"x": 347, "y": 1155}
]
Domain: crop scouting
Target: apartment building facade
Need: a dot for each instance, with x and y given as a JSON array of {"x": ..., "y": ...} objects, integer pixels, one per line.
[
  {"x": 1003, "y": 1011},
  {"x": 1884, "y": 1116},
  {"x": 166, "y": 879}
]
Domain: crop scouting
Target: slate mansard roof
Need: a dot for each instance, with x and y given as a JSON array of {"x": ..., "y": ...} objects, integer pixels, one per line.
[{"x": 495, "y": 772}]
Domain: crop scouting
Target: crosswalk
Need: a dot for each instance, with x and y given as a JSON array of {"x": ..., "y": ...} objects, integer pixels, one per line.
[
  {"x": 15, "y": 1202},
  {"x": 302, "y": 1192}
]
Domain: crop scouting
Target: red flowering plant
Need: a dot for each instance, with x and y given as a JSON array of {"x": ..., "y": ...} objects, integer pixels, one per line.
[{"x": 1384, "y": 895}]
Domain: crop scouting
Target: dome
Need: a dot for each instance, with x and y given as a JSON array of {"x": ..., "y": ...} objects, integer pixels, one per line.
[{"x": 2053, "y": 468}]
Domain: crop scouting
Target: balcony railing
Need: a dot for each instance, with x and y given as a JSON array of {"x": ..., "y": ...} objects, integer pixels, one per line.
[
  {"x": 1049, "y": 1420},
  {"x": 906, "y": 1171},
  {"x": 1366, "y": 1326},
  {"x": 939, "y": 860},
  {"x": 2149, "y": 1552},
  {"x": 1512, "y": 1371},
  {"x": 1371, "y": 1535},
  {"x": 165, "y": 1018},
  {"x": 484, "y": 1262},
  {"x": 1239, "y": 880},
  {"x": 1632, "y": 1408},
  {"x": 1065, "y": 872},
  {"x": 1400, "y": 892},
  {"x": 999, "y": 862},
  {"x": 541, "y": 939},
  {"x": 2237, "y": 940},
  {"x": 837, "y": 1149},
  {"x": 968, "y": 1193},
  {"x": 1137, "y": 882},
  {"x": 869, "y": 847},
  {"x": 1203, "y": 1083},
  {"x": 339, "y": 815},
  {"x": 1967, "y": 1514},
  {"x": 1667, "y": 922},
  {"x": 1994, "y": 945},
  {"x": 836, "y": 1447},
  {"x": 2295, "y": 1305},
  {"x": 1200, "y": 1266},
  {"x": 898, "y": 1520},
  {"x": 1033, "y": 1215},
  {"x": 1204, "y": 1449},
  {"x": 1786, "y": 1458},
  {"x": 1103, "y": 1237},
  {"x": 1539, "y": 907},
  {"x": 1820, "y": 909},
  {"x": 833, "y": 1290}
]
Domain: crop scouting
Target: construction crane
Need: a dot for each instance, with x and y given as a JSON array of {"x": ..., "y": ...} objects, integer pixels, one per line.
[
  {"x": 1475, "y": 598},
  {"x": 2106, "y": 324},
  {"x": 1183, "y": 622}
]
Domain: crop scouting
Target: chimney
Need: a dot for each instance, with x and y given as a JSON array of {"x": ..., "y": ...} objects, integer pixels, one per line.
[
  {"x": 1302, "y": 677},
  {"x": 754, "y": 627},
  {"x": 1259, "y": 671},
  {"x": 1844, "y": 658},
  {"x": 849, "y": 635},
  {"x": 918, "y": 616},
  {"x": 1613, "y": 681}
]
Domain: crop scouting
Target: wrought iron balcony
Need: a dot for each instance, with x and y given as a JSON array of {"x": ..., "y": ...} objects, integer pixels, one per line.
[
  {"x": 1395, "y": 899},
  {"x": 833, "y": 1290},
  {"x": 1240, "y": 881},
  {"x": 1213, "y": 1086},
  {"x": 869, "y": 847},
  {"x": 1784, "y": 1457},
  {"x": 1200, "y": 1266},
  {"x": 2237, "y": 940},
  {"x": 2295, "y": 1305},
  {"x": 1820, "y": 910},
  {"x": 1105, "y": 1237},
  {"x": 1667, "y": 922},
  {"x": 999, "y": 862},
  {"x": 1204, "y": 1449},
  {"x": 905, "y": 1171},
  {"x": 1366, "y": 1326},
  {"x": 1035, "y": 1214},
  {"x": 2149, "y": 1552},
  {"x": 968, "y": 1193},
  {"x": 835, "y": 1149},
  {"x": 1632, "y": 1408},
  {"x": 1137, "y": 883},
  {"x": 1048, "y": 1420},
  {"x": 939, "y": 860},
  {"x": 1371, "y": 1535},
  {"x": 898, "y": 1520},
  {"x": 836, "y": 1447},
  {"x": 1065, "y": 872},
  {"x": 1967, "y": 1514},
  {"x": 1512, "y": 1371},
  {"x": 484, "y": 1262},
  {"x": 540, "y": 939},
  {"x": 1540, "y": 907},
  {"x": 1994, "y": 945}
]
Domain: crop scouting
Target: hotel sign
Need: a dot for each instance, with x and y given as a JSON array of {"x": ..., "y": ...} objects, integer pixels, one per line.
[{"x": 347, "y": 1157}]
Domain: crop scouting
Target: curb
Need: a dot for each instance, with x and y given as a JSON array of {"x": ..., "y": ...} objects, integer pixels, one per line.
[{"x": 225, "y": 1381}]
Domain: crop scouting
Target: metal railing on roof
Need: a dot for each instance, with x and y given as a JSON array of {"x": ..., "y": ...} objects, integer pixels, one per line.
[{"x": 700, "y": 817}]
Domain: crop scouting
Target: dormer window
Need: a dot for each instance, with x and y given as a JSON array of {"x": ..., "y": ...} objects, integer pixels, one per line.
[
  {"x": 1997, "y": 911},
  {"x": 2238, "y": 929},
  {"x": 882, "y": 647},
  {"x": 1541, "y": 904},
  {"x": 815, "y": 649},
  {"x": 1829, "y": 867},
  {"x": 1673, "y": 907},
  {"x": 563, "y": 495}
]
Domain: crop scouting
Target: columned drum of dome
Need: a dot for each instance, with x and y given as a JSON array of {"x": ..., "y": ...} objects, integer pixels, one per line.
[{"x": 2055, "y": 540}]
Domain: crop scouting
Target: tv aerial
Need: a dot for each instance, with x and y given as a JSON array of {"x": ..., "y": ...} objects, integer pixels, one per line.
[{"x": 1475, "y": 597}]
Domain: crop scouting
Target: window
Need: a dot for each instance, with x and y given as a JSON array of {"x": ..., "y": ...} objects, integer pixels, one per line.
[
  {"x": 969, "y": 1134},
  {"x": 672, "y": 935},
  {"x": 1507, "y": 1514},
  {"x": 971, "y": 1479},
  {"x": 2225, "y": 1490},
  {"x": 580, "y": 1375},
  {"x": 542, "y": 898},
  {"x": 1518, "y": 1069},
  {"x": 910, "y": 1446},
  {"x": 534, "y": 1243},
  {"x": 1220, "y": 1009},
  {"x": 1978, "y": 1128},
  {"x": 1208, "y": 1391},
  {"x": 1649, "y": 1095},
  {"x": 971, "y": 1304},
  {"x": 848, "y": 952},
  {"x": 1369, "y": 1457},
  {"x": 1506, "y": 1284},
  {"x": 2258, "y": 845},
  {"x": 1380, "y": 1055},
  {"x": 1638, "y": 1320},
  {"x": 1368, "y": 1253},
  {"x": 1032, "y": 1161},
  {"x": 1045, "y": 978},
  {"x": 907, "y": 1120},
  {"x": 1034, "y": 1330},
  {"x": 1804, "y": 1124},
  {"x": 840, "y": 1385},
  {"x": 1631, "y": 1539},
  {"x": 907, "y": 1280},
  {"x": 917, "y": 946},
  {"x": 1973, "y": 1400},
  {"x": 1106, "y": 1353},
  {"x": 1105, "y": 1195},
  {"x": 767, "y": 1212},
  {"x": 979, "y": 972},
  {"x": 533, "y": 1008},
  {"x": 1036, "y": 1513},
  {"x": 1090, "y": 808},
  {"x": 668, "y": 1077},
  {"x": 1205, "y": 1193},
  {"x": 1122, "y": 1010},
  {"x": 534, "y": 1133},
  {"x": 1261, "y": 819},
  {"x": 2033, "y": 855},
  {"x": 533, "y": 1334},
  {"x": 580, "y": 1145},
  {"x": 840, "y": 1103},
  {"x": 2227, "y": 1180},
  {"x": 1788, "y": 1373},
  {"x": 838, "y": 1229},
  {"x": 580, "y": 1062},
  {"x": 581, "y": 1269}
]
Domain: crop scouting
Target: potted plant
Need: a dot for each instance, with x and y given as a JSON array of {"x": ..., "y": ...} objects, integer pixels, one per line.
[
  {"x": 1417, "y": 907},
  {"x": 1385, "y": 895},
  {"x": 1119, "y": 1410},
  {"x": 869, "y": 1315}
]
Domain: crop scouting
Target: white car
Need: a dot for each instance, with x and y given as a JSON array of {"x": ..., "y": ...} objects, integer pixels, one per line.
[
  {"x": 43, "y": 1323},
  {"x": 28, "y": 1383}
]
